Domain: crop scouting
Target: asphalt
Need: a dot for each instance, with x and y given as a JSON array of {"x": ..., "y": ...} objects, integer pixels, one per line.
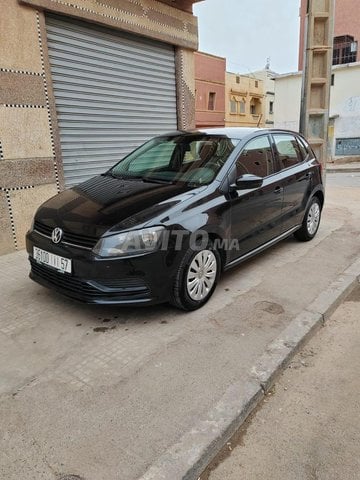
[
  {"x": 308, "y": 426},
  {"x": 104, "y": 393},
  {"x": 241, "y": 398}
]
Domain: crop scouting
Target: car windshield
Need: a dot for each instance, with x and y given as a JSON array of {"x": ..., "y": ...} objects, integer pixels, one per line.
[{"x": 194, "y": 159}]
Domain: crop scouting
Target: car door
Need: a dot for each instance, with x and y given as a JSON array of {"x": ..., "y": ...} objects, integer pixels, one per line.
[
  {"x": 295, "y": 178},
  {"x": 256, "y": 213}
]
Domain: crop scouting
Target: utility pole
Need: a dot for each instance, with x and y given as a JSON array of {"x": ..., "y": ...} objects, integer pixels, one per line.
[{"x": 315, "y": 99}]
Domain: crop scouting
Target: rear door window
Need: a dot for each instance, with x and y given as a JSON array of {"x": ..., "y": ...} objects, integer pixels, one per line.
[
  {"x": 256, "y": 158},
  {"x": 288, "y": 150}
]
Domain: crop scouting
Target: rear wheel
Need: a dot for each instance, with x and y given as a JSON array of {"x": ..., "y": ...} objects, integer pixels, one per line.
[
  {"x": 311, "y": 221},
  {"x": 196, "y": 278}
]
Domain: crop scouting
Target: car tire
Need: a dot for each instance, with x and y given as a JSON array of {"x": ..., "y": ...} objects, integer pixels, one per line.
[
  {"x": 311, "y": 221},
  {"x": 196, "y": 278}
]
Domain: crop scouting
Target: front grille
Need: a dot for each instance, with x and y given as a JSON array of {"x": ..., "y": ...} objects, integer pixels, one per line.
[
  {"x": 44, "y": 229},
  {"x": 81, "y": 240},
  {"x": 73, "y": 238},
  {"x": 121, "y": 283},
  {"x": 78, "y": 288},
  {"x": 62, "y": 280}
]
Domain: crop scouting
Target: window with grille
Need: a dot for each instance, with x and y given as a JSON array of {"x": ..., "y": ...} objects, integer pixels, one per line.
[{"x": 345, "y": 50}]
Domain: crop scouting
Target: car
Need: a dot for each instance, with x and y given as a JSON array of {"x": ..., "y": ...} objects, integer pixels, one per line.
[{"x": 165, "y": 221}]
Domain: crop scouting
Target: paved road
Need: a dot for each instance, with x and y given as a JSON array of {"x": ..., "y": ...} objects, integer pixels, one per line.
[
  {"x": 103, "y": 392},
  {"x": 309, "y": 428}
]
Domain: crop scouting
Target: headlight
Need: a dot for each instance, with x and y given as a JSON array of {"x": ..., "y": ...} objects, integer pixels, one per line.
[{"x": 132, "y": 243}]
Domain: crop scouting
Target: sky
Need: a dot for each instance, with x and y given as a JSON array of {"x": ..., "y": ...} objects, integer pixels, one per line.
[{"x": 247, "y": 32}]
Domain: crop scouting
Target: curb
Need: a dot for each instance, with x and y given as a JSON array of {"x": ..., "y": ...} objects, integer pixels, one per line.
[
  {"x": 343, "y": 170},
  {"x": 188, "y": 458}
]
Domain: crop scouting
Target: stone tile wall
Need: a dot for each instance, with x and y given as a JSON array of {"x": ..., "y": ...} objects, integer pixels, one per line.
[
  {"x": 27, "y": 158},
  {"x": 30, "y": 155}
]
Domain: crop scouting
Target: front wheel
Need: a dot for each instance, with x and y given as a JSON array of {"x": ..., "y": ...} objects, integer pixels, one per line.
[
  {"x": 311, "y": 221},
  {"x": 196, "y": 278}
]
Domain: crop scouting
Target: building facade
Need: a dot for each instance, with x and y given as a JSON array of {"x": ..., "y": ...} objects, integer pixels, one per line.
[
  {"x": 244, "y": 103},
  {"x": 210, "y": 90},
  {"x": 344, "y": 121},
  {"x": 81, "y": 84},
  {"x": 267, "y": 76},
  {"x": 346, "y": 32},
  {"x": 343, "y": 142}
]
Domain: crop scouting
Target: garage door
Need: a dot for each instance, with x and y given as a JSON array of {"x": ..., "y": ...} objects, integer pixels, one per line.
[{"x": 112, "y": 92}]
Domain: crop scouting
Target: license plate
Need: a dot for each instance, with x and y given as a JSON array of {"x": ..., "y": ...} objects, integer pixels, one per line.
[{"x": 46, "y": 258}]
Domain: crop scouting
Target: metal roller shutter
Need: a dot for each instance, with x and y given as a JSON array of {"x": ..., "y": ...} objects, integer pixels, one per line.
[{"x": 112, "y": 92}]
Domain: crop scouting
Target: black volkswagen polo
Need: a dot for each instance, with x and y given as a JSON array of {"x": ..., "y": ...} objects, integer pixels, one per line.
[{"x": 164, "y": 222}]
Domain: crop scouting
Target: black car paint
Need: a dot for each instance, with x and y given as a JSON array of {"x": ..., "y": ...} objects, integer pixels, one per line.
[{"x": 105, "y": 205}]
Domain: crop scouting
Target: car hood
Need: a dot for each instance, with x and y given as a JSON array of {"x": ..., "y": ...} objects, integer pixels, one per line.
[{"x": 103, "y": 203}]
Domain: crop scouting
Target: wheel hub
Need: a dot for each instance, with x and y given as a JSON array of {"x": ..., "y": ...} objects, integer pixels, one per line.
[
  {"x": 313, "y": 218},
  {"x": 201, "y": 275}
]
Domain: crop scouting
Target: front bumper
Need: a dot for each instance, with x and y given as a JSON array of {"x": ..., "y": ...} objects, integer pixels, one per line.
[{"x": 143, "y": 280}]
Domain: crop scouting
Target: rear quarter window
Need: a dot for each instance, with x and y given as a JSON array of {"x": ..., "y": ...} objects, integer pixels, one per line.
[{"x": 305, "y": 148}]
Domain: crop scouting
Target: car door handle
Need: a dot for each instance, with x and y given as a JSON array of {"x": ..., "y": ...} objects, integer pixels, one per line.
[
  {"x": 278, "y": 190},
  {"x": 309, "y": 174}
]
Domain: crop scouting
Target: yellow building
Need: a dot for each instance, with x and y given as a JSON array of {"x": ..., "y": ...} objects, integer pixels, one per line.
[{"x": 244, "y": 106}]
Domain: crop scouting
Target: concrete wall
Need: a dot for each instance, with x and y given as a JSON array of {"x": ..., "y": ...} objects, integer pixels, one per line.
[
  {"x": 288, "y": 98},
  {"x": 345, "y": 105},
  {"x": 209, "y": 77},
  {"x": 30, "y": 155}
]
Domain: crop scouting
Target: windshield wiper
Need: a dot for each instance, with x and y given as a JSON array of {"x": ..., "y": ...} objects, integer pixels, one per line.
[
  {"x": 123, "y": 176},
  {"x": 109, "y": 174},
  {"x": 117, "y": 176},
  {"x": 157, "y": 180},
  {"x": 137, "y": 177}
]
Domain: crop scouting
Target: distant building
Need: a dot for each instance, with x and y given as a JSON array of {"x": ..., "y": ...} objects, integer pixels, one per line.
[
  {"x": 244, "y": 101},
  {"x": 267, "y": 76},
  {"x": 210, "y": 90},
  {"x": 346, "y": 33},
  {"x": 344, "y": 122}
]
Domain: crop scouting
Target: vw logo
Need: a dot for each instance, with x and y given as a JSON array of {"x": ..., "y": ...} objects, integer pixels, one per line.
[{"x": 57, "y": 235}]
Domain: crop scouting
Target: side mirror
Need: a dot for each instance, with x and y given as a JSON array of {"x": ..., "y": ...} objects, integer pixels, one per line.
[{"x": 247, "y": 181}]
